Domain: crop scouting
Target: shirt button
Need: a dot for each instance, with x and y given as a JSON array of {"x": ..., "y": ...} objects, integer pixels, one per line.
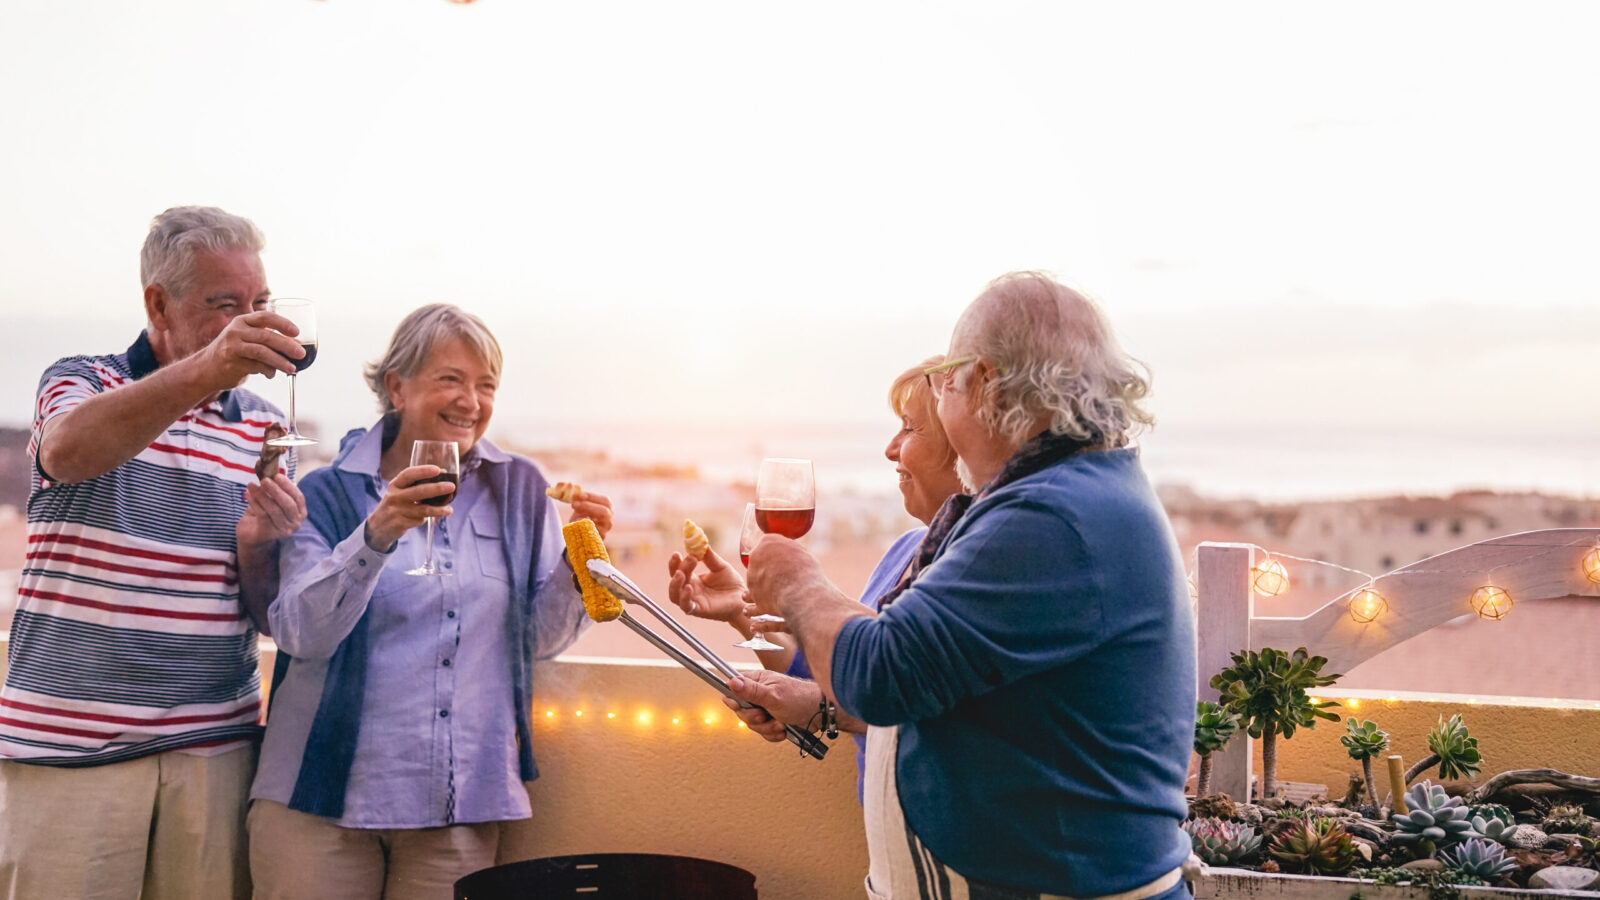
[
  {"x": 447, "y": 664},
  {"x": 444, "y": 713},
  {"x": 449, "y": 565},
  {"x": 450, "y": 615},
  {"x": 361, "y": 562}
]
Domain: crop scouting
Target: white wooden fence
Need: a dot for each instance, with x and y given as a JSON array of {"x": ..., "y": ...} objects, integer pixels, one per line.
[{"x": 1532, "y": 566}]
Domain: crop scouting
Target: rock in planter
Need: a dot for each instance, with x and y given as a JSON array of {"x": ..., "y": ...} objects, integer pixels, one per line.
[
  {"x": 1214, "y": 806},
  {"x": 1424, "y": 865},
  {"x": 1560, "y": 841},
  {"x": 1370, "y": 831},
  {"x": 1248, "y": 813},
  {"x": 1564, "y": 878},
  {"x": 1526, "y": 837}
]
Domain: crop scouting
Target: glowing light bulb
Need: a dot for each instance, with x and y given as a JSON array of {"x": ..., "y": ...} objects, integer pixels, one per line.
[
  {"x": 1591, "y": 565},
  {"x": 578, "y": 713},
  {"x": 611, "y": 715},
  {"x": 674, "y": 720},
  {"x": 1353, "y": 703},
  {"x": 1367, "y": 605},
  {"x": 549, "y": 714},
  {"x": 1269, "y": 579},
  {"x": 1491, "y": 602}
]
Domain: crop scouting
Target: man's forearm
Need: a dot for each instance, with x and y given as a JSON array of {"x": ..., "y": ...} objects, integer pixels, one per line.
[
  {"x": 108, "y": 429},
  {"x": 816, "y": 613},
  {"x": 258, "y": 582}
]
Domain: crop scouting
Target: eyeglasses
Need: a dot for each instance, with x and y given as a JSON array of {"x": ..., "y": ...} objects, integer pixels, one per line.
[{"x": 938, "y": 377}]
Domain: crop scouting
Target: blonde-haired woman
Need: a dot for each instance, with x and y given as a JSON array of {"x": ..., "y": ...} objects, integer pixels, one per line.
[{"x": 925, "y": 464}]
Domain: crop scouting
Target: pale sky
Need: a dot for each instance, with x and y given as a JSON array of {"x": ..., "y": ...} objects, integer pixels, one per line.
[{"x": 1363, "y": 216}]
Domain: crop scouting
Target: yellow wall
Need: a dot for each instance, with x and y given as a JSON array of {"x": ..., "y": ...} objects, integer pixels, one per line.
[
  {"x": 718, "y": 792},
  {"x": 1509, "y": 737}
]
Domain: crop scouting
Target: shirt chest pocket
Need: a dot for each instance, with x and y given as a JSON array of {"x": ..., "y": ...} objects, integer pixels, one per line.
[{"x": 489, "y": 546}]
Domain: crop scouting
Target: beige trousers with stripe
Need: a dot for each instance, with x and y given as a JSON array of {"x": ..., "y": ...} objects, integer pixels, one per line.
[{"x": 163, "y": 827}]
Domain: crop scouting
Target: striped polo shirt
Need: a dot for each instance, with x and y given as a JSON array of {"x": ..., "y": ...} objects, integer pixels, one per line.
[{"x": 129, "y": 637}]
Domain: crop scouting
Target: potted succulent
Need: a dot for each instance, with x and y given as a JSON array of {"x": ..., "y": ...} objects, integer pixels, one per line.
[{"x": 1268, "y": 692}]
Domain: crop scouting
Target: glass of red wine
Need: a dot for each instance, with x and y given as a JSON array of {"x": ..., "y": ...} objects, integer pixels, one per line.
[
  {"x": 786, "y": 497},
  {"x": 786, "y": 502},
  {"x": 303, "y": 313},
  {"x": 447, "y": 456},
  {"x": 749, "y": 536}
]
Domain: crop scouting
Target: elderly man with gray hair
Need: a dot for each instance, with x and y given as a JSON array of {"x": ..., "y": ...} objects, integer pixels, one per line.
[
  {"x": 131, "y": 705},
  {"x": 1029, "y": 685}
]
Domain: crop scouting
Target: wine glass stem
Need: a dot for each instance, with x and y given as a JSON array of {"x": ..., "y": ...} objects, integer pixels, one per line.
[
  {"x": 428, "y": 563},
  {"x": 293, "y": 429}
]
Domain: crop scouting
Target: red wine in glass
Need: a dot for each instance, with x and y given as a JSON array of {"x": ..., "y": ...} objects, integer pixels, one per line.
[
  {"x": 442, "y": 499},
  {"x": 786, "y": 497},
  {"x": 446, "y": 455},
  {"x": 304, "y": 362},
  {"x": 791, "y": 523}
]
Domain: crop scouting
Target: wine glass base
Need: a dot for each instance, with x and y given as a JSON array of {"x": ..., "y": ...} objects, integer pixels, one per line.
[
  {"x": 427, "y": 569},
  {"x": 759, "y": 643},
  {"x": 291, "y": 440}
]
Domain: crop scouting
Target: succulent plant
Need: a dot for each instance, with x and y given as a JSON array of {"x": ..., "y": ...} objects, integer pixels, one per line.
[
  {"x": 1488, "y": 811},
  {"x": 1451, "y": 749},
  {"x": 1567, "y": 819},
  {"x": 1316, "y": 846},
  {"x": 1268, "y": 691},
  {"x": 1494, "y": 828},
  {"x": 1214, "y": 726},
  {"x": 1480, "y": 859},
  {"x": 1436, "y": 820},
  {"x": 1220, "y": 843},
  {"x": 1364, "y": 741}
]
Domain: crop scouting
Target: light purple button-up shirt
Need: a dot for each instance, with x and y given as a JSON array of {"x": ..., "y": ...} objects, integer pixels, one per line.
[{"x": 438, "y": 742}]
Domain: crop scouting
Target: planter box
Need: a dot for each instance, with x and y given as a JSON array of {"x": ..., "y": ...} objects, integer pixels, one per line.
[{"x": 1228, "y": 884}]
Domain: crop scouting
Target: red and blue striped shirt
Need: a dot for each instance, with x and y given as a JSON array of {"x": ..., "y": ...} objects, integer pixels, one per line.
[{"x": 130, "y": 637}]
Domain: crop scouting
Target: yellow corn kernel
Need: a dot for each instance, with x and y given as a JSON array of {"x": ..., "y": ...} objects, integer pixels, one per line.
[{"x": 584, "y": 544}]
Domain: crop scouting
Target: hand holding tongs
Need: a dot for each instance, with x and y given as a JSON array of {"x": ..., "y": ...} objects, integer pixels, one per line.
[{"x": 617, "y": 583}]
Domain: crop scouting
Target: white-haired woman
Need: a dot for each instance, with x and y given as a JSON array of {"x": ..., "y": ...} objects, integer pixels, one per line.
[
  {"x": 398, "y": 736},
  {"x": 1030, "y": 684}
]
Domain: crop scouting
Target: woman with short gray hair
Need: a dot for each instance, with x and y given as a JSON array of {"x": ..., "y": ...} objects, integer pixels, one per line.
[{"x": 398, "y": 738}]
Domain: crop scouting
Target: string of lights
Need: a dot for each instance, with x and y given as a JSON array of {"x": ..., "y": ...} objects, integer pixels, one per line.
[{"x": 1270, "y": 578}]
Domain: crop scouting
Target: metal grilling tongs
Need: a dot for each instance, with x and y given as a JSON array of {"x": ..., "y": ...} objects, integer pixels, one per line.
[{"x": 617, "y": 583}]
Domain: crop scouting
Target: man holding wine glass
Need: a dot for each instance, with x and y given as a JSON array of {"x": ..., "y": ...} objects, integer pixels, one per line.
[
  {"x": 1029, "y": 684},
  {"x": 399, "y": 737},
  {"x": 133, "y": 694}
]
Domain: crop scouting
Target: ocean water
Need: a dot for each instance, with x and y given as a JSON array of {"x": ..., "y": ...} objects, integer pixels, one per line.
[{"x": 1256, "y": 462}]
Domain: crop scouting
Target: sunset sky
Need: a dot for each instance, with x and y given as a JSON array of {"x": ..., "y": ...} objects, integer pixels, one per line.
[{"x": 1314, "y": 223}]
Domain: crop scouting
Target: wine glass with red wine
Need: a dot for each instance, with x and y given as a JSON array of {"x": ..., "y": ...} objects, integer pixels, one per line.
[
  {"x": 786, "y": 497},
  {"x": 447, "y": 456},
  {"x": 786, "y": 503},
  {"x": 749, "y": 536},
  {"x": 303, "y": 313}
]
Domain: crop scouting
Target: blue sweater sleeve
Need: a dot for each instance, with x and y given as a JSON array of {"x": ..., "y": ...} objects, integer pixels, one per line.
[{"x": 1011, "y": 595}]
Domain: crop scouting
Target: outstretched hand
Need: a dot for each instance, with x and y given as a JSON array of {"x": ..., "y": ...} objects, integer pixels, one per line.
[
  {"x": 594, "y": 507},
  {"x": 715, "y": 593}
]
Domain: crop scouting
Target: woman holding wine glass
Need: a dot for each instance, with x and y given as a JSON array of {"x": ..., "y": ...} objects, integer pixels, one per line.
[
  {"x": 926, "y": 466},
  {"x": 398, "y": 737}
]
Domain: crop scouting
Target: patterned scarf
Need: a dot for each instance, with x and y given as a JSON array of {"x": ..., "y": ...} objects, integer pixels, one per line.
[{"x": 1041, "y": 452}]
